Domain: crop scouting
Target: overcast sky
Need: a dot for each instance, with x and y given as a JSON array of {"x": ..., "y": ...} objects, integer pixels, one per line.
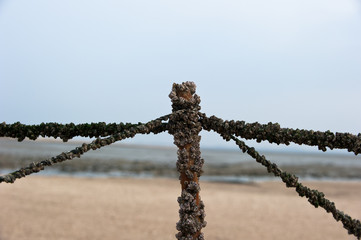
[{"x": 297, "y": 63}]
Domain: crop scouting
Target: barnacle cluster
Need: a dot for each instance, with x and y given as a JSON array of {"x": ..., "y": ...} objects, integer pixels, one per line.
[
  {"x": 184, "y": 124},
  {"x": 63, "y": 131},
  {"x": 316, "y": 198},
  {"x": 154, "y": 126},
  {"x": 185, "y": 127},
  {"x": 273, "y": 133}
]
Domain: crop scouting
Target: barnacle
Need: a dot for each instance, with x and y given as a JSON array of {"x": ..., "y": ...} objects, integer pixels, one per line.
[
  {"x": 316, "y": 198},
  {"x": 184, "y": 124},
  {"x": 128, "y": 131},
  {"x": 185, "y": 127}
]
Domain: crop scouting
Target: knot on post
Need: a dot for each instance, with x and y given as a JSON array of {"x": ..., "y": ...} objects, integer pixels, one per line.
[{"x": 185, "y": 127}]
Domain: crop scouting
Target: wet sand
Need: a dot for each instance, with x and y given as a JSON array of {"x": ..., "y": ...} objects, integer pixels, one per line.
[{"x": 39, "y": 207}]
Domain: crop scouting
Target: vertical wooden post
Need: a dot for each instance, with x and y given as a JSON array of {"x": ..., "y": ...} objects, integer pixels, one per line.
[{"x": 185, "y": 128}]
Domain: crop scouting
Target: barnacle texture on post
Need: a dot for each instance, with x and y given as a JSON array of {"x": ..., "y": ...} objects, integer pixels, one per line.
[
  {"x": 275, "y": 134},
  {"x": 184, "y": 126},
  {"x": 63, "y": 131},
  {"x": 154, "y": 126}
]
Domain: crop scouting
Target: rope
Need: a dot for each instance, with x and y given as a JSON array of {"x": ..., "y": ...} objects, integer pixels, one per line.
[
  {"x": 154, "y": 126},
  {"x": 316, "y": 198},
  {"x": 273, "y": 133},
  {"x": 63, "y": 131},
  {"x": 184, "y": 124}
]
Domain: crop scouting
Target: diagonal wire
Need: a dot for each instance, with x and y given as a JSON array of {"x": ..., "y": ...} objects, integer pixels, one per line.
[
  {"x": 154, "y": 126},
  {"x": 316, "y": 198}
]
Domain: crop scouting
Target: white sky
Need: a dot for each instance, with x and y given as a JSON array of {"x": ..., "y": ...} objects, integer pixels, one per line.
[{"x": 293, "y": 62}]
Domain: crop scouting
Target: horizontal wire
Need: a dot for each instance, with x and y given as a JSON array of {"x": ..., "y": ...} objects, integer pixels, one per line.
[
  {"x": 316, "y": 198},
  {"x": 273, "y": 133},
  {"x": 154, "y": 126}
]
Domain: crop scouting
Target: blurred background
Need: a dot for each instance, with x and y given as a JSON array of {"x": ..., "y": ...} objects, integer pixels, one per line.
[{"x": 291, "y": 62}]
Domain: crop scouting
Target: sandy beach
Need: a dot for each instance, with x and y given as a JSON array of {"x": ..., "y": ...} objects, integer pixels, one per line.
[{"x": 39, "y": 207}]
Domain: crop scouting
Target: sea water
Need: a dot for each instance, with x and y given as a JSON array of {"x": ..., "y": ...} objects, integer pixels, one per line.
[{"x": 126, "y": 160}]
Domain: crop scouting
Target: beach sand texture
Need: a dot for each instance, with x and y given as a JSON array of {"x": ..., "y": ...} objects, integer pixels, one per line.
[{"x": 39, "y": 207}]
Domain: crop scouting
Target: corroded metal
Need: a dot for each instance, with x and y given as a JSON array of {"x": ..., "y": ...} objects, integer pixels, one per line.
[{"x": 184, "y": 126}]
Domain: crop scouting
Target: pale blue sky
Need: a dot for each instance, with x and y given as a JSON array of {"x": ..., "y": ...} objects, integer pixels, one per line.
[{"x": 293, "y": 62}]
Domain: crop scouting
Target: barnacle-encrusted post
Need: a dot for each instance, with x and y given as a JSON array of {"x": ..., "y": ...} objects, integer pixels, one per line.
[{"x": 184, "y": 126}]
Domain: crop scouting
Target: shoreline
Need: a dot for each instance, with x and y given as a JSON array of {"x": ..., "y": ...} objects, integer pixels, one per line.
[
  {"x": 133, "y": 160},
  {"x": 243, "y": 171},
  {"x": 53, "y": 207},
  {"x": 226, "y": 179}
]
